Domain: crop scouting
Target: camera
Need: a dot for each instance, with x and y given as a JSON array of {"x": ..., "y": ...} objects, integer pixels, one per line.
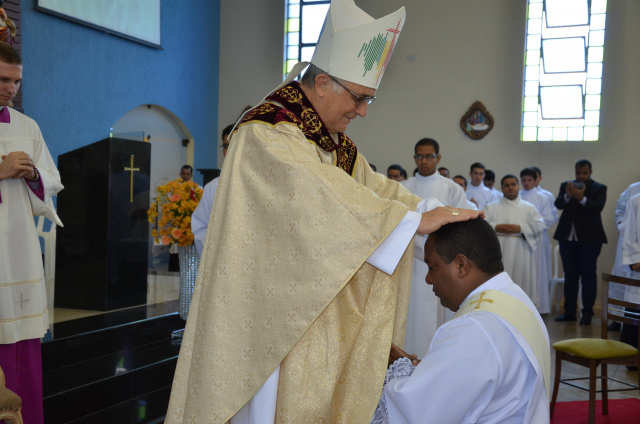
[{"x": 578, "y": 185}]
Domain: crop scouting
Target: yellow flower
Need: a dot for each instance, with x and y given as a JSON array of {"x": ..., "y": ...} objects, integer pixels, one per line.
[{"x": 172, "y": 209}]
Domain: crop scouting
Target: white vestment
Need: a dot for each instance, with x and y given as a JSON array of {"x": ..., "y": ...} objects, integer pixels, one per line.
[
  {"x": 200, "y": 217},
  {"x": 479, "y": 369},
  {"x": 632, "y": 190},
  {"x": 426, "y": 313},
  {"x": 549, "y": 214},
  {"x": 497, "y": 194},
  {"x": 481, "y": 194},
  {"x": 518, "y": 250},
  {"x": 546, "y": 193},
  {"x": 630, "y": 236},
  {"x": 23, "y": 302}
]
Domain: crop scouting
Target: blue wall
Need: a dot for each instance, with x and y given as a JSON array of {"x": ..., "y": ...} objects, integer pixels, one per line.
[{"x": 79, "y": 81}]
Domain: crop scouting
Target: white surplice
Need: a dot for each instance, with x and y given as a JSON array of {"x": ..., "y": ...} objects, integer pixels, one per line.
[
  {"x": 481, "y": 194},
  {"x": 630, "y": 246},
  {"x": 549, "y": 214},
  {"x": 632, "y": 190},
  {"x": 23, "y": 301},
  {"x": 426, "y": 313},
  {"x": 497, "y": 194},
  {"x": 518, "y": 250},
  {"x": 479, "y": 369}
]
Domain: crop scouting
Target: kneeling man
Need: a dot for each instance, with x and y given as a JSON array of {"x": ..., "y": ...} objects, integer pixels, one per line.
[{"x": 491, "y": 362}]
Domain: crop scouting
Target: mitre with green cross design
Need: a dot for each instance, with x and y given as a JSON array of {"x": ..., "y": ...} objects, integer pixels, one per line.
[{"x": 354, "y": 46}]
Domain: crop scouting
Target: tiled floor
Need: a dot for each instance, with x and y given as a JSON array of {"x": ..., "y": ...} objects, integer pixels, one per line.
[{"x": 569, "y": 330}]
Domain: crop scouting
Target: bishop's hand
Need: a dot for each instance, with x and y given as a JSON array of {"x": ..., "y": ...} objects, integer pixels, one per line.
[{"x": 440, "y": 216}]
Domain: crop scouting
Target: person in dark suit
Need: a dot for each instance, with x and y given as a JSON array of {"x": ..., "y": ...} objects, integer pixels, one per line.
[{"x": 580, "y": 234}]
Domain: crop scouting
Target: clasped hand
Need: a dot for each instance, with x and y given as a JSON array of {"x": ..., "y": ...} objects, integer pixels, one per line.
[
  {"x": 16, "y": 165},
  {"x": 508, "y": 228},
  {"x": 397, "y": 353}
]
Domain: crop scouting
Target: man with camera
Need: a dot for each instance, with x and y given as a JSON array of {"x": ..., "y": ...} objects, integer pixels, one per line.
[{"x": 580, "y": 234}]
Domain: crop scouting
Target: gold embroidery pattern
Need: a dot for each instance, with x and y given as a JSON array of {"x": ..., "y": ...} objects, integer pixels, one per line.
[
  {"x": 19, "y": 283},
  {"x": 259, "y": 110},
  {"x": 300, "y": 112},
  {"x": 311, "y": 120},
  {"x": 480, "y": 300},
  {"x": 291, "y": 94},
  {"x": 20, "y": 318}
]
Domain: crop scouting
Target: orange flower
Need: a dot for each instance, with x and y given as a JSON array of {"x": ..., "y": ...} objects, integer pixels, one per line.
[{"x": 173, "y": 207}]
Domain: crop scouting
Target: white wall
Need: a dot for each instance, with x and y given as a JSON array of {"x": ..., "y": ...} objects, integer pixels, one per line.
[{"x": 463, "y": 51}]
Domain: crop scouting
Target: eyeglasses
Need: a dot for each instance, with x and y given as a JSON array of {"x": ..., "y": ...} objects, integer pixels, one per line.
[
  {"x": 360, "y": 100},
  {"x": 427, "y": 157},
  {"x": 223, "y": 147}
]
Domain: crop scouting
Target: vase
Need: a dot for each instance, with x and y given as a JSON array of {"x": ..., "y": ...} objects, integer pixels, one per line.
[{"x": 189, "y": 262}]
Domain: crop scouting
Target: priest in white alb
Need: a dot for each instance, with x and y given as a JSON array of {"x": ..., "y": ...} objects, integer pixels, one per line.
[
  {"x": 425, "y": 312},
  {"x": 549, "y": 213},
  {"x": 490, "y": 363},
  {"x": 306, "y": 266},
  {"x": 519, "y": 227}
]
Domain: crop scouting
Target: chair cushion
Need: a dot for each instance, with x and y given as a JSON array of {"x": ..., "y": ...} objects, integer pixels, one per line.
[
  {"x": 9, "y": 401},
  {"x": 596, "y": 348}
]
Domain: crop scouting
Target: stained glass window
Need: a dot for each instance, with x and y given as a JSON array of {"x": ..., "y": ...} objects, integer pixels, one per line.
[{"x": 563, "y": 70}]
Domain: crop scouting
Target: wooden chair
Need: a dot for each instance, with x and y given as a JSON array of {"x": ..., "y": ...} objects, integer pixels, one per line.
[
  {"x": 592, "y": 353},
  {"x": 10, "y": 403}
]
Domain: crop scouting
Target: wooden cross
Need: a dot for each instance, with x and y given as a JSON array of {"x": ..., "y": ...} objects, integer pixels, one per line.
[
  {"x": 480, "y": 300},
  {"x": 132, "y": 169},
  {"x": 21, "y": 301}
]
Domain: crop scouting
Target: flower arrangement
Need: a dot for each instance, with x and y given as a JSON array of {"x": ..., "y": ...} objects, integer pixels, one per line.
[{"x": 175, "y": 204}]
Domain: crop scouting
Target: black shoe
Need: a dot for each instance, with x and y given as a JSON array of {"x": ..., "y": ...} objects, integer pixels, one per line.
[
  {"x": 585, "y": 320},
  {"x": 614, "y": 326},
  {"x": 566, "y": 317},
  {"x": 632, "y": 368}
]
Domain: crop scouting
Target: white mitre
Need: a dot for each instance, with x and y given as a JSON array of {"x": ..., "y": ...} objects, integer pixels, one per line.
[
  {"x": 355, "y": 47},
  {"x": 352, "y": 46}
]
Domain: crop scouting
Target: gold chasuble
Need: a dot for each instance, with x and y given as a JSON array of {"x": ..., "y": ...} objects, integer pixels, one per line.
[{"x": 283, "y": 278}]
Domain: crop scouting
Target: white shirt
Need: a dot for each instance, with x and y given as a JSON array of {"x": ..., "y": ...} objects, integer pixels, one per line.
[{"x": 479, "y": 369}]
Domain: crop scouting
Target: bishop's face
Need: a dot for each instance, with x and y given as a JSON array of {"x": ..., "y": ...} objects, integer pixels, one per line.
[
  {"x": 10, "y": 79},
  {"x": 338, "y": 107}
]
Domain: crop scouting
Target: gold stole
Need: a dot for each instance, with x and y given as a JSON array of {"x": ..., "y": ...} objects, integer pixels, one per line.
[{"x": 518, "y": 315}]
